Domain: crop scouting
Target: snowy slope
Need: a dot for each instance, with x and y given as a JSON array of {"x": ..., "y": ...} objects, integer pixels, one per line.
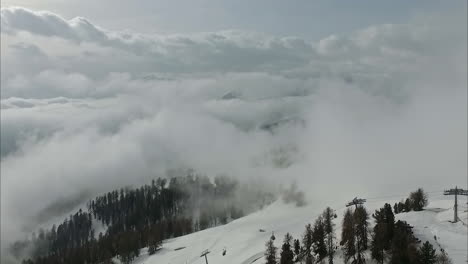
[{"x": 244, "y": 242}]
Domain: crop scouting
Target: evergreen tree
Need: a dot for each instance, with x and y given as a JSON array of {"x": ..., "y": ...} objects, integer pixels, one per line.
[
  {"x": 403, "y": 248},
  {"x": 287, "y": 255},
  {"x": 383, "y": 232},
  {"x": 270, "y": 252},
  {"x": 297, "y": 249},
  {"x": 348, "y": 236},
  {"x": 401, "y": 207},
  {"x": 377, "y": 244},
  {"x": 328, "y": 217},
  {"x": 132, "y": 216},
  {"x": 395, "y": 208},
  {"x": 307, "y": 242},
  {"x": 407, "y": 205},
  {"x": 318, "y": 238},
  {"x": 389, "y": 225},
  {"x": 361, "y": 222},
  {"x": 427, "y": 254}
]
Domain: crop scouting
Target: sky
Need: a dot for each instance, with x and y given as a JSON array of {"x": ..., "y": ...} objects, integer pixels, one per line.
[
  {"x": 366, "y": 99},
  {"x": 303, "y": 18}
]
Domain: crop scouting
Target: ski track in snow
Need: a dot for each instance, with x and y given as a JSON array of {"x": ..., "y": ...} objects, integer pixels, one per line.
[{"x": 245, "y": 243}]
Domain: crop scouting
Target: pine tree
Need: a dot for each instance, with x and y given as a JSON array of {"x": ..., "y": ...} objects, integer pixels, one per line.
[
  {"x": 318, "y": 238},
  {"x": 377, "y": 244},
  {"x": 361, "y": 226},
  {"x": 271, "y": 252},
  {"x": 390, "y": 225},
  {"x": 403, "y": 249},
  {"x": 328, "y": 216},
  {"x": 427, "y": 254},
  {"x": 307, "y": 242},
  {"x": 401, "y": 207},
  {"x": 383, "y": 232},
  {"x": 348, "y": 236},
  {"x": 297, "y": 249},
  {"x": 408, "y": 205},
  {"x": 287, "y": 255}
]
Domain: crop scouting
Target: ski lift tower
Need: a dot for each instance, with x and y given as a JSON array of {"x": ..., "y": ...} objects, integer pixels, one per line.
[
  {"x": 456, "y": 192},
  {"x": 356, "y": 202},
  {"x": 203, "y": 254}
]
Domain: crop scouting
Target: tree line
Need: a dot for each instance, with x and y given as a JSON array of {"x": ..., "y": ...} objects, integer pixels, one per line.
[
  {"x": 136, "y": 218},
  {"x": 389, "y": 241}
]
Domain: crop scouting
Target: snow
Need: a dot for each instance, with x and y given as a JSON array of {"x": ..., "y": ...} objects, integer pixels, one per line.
[{"x": 245, "y": 244}]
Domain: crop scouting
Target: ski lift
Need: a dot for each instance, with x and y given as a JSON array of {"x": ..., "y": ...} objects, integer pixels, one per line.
[
  {"x": 273, "y": 236},
  {"x": 224, "y": 251}
]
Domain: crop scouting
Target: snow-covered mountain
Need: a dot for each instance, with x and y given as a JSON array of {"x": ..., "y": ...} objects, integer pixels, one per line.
[{"x": 244, "y": 239}]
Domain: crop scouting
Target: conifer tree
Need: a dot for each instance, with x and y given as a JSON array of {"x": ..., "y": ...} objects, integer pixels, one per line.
[
  {"x": 403, "y": 248},
  {"x": 427, "y": 254},
  {"x": 328, "y": 216},
  {"x": 401, "y": 207},
  {"x": 318, "y": 238},
  {"x": 389, "y": 224},
  {"x": 377, "y": 244},
  {"x": 408, "y": 205},
  {"x": 270, "y": 252},
  {"x": 287, "y": 255},
  {"x": 361, "y": 226},
  {"x": 297, "y": 249},
  {"x": 383, "y": 232},
  {"x": 348, "y": 236},
  {"x": 307, "y": 242}
]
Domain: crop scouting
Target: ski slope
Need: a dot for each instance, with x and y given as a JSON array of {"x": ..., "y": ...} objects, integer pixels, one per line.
[{"x": 244, "y": 243}]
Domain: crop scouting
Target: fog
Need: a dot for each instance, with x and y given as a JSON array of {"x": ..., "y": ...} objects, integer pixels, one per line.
[{"x": 379, "y": 111}]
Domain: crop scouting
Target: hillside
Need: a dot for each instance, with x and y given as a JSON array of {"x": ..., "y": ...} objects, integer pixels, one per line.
[{"x": 244, "y": 243}]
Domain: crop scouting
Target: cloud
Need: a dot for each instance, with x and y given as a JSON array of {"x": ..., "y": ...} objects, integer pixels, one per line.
[
  {"x": 85, "y": 110},
  {"x": 220, "y": 51},
  {"x": 48, "y": 24}
]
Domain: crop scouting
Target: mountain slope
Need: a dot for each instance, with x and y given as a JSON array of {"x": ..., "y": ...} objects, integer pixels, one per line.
[{"x": 244, "y": 243}]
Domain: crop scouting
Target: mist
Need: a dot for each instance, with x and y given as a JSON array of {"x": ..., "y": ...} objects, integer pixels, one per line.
[{"x": 85, "y": 110}]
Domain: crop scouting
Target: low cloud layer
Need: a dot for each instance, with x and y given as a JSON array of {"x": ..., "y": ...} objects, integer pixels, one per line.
[{"x": 85, "y": 109}]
